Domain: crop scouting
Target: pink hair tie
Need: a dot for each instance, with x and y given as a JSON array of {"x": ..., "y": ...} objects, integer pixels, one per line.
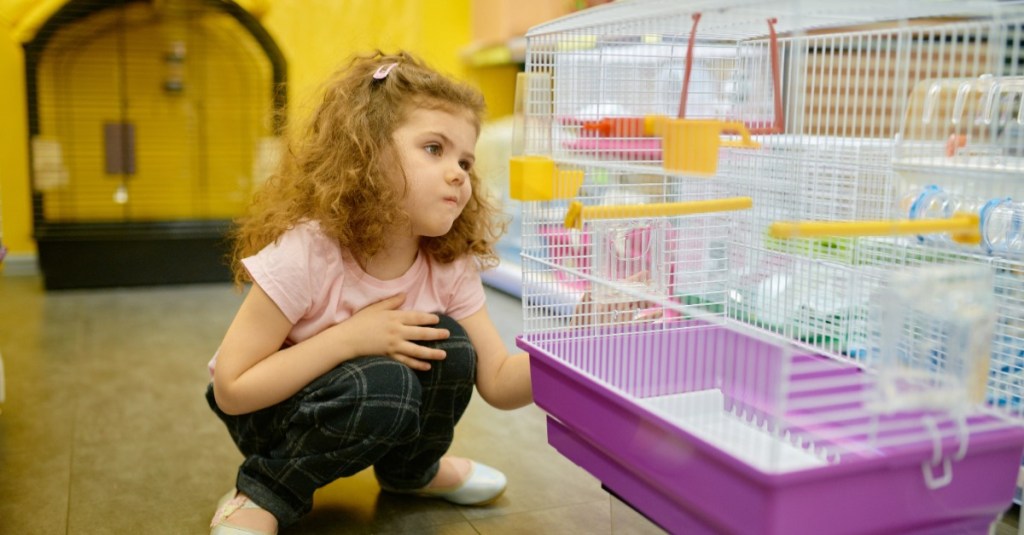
[{"x": 383, "y": 71}]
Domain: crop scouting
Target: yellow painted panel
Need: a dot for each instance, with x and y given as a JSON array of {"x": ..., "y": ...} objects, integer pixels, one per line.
[
  {"x": 15, "y": 200},
  {"x": 318, "y": 37},
  {"x": 194, "y": 148},
  {"x": 24, "y": 17},
  {"x": 498, "y": 84}
]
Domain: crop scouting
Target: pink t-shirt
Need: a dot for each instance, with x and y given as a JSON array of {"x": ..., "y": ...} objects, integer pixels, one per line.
[{"x": 317, "y": 284}]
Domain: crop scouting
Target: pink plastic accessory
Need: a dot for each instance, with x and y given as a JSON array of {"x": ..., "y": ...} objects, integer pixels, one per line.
[{"x": 383, "y": 71}]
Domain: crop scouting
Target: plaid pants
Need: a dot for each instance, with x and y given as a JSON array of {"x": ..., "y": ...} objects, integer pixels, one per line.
[{"x": 369, "y": 411}]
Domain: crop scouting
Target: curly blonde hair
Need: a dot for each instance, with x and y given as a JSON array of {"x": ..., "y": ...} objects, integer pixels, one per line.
[{"x": 335, "y": 170}]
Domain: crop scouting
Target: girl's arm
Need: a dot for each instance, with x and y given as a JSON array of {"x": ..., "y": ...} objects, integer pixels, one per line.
[
  {"x": 253, "y": 372},
  {"x": 503, "y": 380}
]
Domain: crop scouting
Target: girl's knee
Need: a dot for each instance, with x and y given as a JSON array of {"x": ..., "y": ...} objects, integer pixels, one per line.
[
  {"x": 376, "y": 398},
  {"x": 393, "y": 396},
  {"x": 456, "y": 330},
  {"x": 460, "y": 356}
]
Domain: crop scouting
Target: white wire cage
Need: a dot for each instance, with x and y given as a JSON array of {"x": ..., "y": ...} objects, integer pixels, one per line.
[{"x": 779, "y": 239}]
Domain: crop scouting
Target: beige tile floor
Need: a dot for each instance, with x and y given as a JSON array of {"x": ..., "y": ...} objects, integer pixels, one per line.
[{"x": 105, "y": 430}]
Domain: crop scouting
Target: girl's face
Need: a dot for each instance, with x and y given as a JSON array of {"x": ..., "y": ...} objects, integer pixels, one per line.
[{"x": 436, "y": 150}]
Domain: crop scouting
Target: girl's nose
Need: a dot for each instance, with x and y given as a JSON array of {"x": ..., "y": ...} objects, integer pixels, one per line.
[{"x": 457, "y": 175}]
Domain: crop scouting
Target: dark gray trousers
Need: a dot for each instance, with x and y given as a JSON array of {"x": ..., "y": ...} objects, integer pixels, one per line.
[{"x": 369, "y": 411}]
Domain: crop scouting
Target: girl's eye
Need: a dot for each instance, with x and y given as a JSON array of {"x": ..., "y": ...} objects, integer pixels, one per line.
[
  {"x": 466, "y": 165},
  {"x": 433, "y": 148}
]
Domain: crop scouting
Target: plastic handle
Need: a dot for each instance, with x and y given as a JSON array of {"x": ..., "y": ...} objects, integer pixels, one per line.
[
  {"x": 577, "y": 213},
  {"x": 962, "y": 228},
  {"x": 933, "y": 482},
  {"x": 739, "y": 128}
]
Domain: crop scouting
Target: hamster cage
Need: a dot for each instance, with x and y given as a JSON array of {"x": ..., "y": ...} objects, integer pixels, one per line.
[{"x": 773, "y": 259}]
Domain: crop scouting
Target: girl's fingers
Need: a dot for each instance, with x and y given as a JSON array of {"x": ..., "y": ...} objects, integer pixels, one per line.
[
  {"x": 418, "y": 357},
  {"x": 413, "y": 363},
  {"x": 411, "y": 317},
  {"x": 426, "y": 333},
  {"x": 417, "y": 351}
]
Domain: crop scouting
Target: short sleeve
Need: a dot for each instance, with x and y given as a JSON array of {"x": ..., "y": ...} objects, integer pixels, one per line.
[
  {"x": 467, "y": 290},
  {"x": 287, "y": 271}
]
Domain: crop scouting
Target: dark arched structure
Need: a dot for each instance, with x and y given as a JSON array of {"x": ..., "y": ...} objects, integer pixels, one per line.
[{"x": 78, "y": 254}]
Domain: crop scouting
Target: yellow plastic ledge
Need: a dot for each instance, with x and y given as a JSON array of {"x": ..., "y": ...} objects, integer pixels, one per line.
[
  {"x": 962, "y": 228},
  {"x": 537, "y": 178},
  {"x": 577, "y": 213}
]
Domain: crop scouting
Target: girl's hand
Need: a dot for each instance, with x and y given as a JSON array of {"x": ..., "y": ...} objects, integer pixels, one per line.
[{"x": 383, "y": 329}]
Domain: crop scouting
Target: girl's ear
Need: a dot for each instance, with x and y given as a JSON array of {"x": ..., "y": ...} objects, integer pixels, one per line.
[{"x": 391, "y": 169}]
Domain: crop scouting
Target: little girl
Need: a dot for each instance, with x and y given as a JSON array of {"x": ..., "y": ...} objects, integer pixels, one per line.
[{"x": 365, "y": 329}]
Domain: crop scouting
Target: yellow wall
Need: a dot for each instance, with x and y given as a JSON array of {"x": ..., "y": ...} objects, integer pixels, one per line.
[
  {"x": 436, "y": 30},
  {"x": 15, "y": 208},
  {"x": 315, "y": 36}
]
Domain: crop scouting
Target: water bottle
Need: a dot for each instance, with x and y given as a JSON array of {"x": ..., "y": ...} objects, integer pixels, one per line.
[{"x": 1002, "y": 223}]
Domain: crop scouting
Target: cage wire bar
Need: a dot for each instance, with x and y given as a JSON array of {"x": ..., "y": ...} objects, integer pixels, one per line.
[{"x": 778, "y": 248}]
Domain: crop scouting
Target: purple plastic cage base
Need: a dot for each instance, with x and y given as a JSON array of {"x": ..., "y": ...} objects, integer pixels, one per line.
[
  {"x": 674, "y": 517},
  {"x": 642, "y": 456}
]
